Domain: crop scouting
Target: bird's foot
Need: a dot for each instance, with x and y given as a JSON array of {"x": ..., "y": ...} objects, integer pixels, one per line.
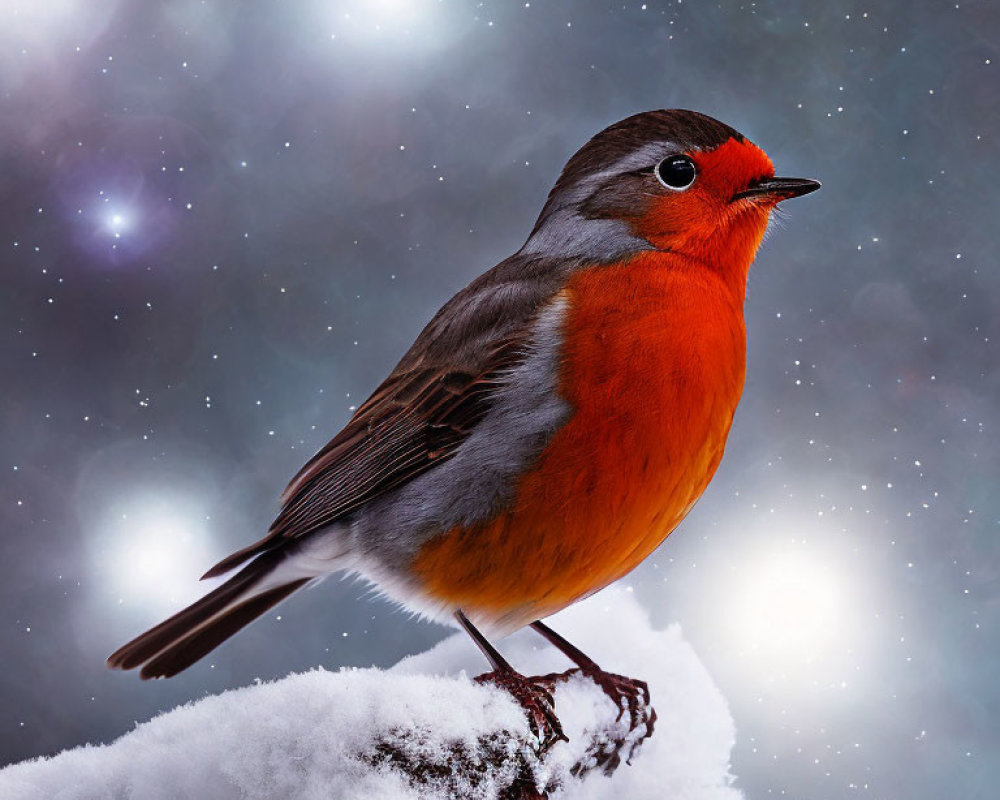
[
  {"x": 628, "y": 694},
  {"x": 535, "y": 696}
]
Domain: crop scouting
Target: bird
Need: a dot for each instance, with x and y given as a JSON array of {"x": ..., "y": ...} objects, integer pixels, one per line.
[{"x": 550, "y": 426}]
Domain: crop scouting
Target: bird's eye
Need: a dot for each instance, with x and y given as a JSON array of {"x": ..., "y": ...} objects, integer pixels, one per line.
[{"x": 676, "y": 172}]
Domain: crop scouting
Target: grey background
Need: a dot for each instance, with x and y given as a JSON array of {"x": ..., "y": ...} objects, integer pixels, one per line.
[{"x": 390, "y": 156}]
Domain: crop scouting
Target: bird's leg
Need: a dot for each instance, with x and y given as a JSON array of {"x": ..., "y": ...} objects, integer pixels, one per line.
[
  {"x": 533, "y": 695},
  {"x": 624, "y": 692}
]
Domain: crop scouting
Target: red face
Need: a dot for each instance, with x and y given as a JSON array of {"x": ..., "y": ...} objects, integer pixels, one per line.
[{"x": 705, "y": 220}]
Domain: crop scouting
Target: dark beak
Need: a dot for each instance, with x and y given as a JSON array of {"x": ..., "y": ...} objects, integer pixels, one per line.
[{"x": 781, "y": 188}]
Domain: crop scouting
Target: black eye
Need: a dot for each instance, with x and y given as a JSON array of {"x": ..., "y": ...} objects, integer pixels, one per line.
[{"x": 676, "y": 172}]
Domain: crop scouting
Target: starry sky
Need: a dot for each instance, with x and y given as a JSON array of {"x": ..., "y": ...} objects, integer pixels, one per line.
[{"x": 223, "y": 224}]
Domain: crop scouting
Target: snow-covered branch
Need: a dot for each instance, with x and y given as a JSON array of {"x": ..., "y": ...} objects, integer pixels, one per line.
[{"x": 424, "y": 730}]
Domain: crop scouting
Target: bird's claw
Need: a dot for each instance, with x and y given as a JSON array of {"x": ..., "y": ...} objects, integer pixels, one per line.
[
  {"x": 628, "y": 694},
  {"x": 535, "y": 696}
]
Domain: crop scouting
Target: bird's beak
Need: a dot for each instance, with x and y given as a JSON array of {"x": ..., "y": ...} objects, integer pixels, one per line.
[{"x": 779, "y": 188}]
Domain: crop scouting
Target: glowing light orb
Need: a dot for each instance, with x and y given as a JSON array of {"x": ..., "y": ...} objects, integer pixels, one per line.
[
  {"x": 789, "y": 607},
  {"x": 38, "y": 32},
  {"x": 154, "y": 552},
  {"x": 33, "y": 18},
  {"x": 116, "y": 224},
  {"x": 389, "y": 6},
  {"x": 410, "y": 21}
]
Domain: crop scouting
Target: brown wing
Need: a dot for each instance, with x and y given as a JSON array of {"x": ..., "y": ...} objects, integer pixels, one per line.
[
  {"x": 424, "y": 410},
  {"x": 413, "y": 421}
]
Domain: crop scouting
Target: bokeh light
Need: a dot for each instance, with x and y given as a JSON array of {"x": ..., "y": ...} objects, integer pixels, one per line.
[
  {"x": 788, "y": 606},
  {"x": 116, "y": 224},
  {"x": 399, "y": 22},
  {"x": 150, "y": 549},
  {"x": 37, "y": 32}
]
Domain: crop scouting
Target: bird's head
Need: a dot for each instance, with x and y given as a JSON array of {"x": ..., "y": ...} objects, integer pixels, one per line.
[{"x": 671, "y": 180}]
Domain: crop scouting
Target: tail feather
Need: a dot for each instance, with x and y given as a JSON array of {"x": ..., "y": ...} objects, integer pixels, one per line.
[
  {"x": 182, "y": 654},
  {"x": 192, "y": 633}
]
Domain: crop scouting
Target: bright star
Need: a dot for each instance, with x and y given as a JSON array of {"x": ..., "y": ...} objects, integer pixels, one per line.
[{"x": 116, "y": 224}]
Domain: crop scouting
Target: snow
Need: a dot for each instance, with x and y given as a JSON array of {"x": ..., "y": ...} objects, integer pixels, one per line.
[{"x": 317, "y": 734}]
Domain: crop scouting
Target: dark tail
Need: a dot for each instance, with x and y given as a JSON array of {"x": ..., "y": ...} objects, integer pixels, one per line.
[{"x": 174, "y": 645}]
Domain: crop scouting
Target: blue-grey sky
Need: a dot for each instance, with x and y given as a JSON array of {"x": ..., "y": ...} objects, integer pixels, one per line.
[{"x": 222, "y": 225}]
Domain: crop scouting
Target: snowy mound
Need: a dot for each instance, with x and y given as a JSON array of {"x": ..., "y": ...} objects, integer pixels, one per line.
[{"x": 357, "y": 734}]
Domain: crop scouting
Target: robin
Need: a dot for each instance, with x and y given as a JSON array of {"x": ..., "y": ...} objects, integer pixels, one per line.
[{"x": 551, "y": 425}]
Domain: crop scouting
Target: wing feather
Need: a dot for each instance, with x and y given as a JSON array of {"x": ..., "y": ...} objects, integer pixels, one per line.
[{"x": 425, "y": 409}]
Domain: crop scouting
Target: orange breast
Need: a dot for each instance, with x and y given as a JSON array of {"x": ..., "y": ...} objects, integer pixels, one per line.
[{"x": 654, "y": 360}]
